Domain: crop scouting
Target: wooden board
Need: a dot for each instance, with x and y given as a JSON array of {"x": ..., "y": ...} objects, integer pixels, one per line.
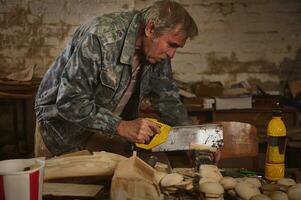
[
  {"x": 98, "y": 164},
  {"x": 70, "y": 189}
]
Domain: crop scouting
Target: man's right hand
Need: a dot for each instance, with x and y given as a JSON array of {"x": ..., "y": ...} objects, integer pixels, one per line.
[{"x": 139, "y": 130}]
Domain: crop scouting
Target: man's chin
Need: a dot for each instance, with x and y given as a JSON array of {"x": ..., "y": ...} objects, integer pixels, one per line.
[
  {"x": 154, "y": 61},
  {"x": 151, "y": 60}
]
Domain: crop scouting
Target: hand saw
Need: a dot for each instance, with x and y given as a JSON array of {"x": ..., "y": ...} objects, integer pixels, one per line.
[{"x": 206, "y": 136}]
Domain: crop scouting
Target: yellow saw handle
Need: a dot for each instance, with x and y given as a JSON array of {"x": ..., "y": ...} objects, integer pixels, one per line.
[{"x": 158, "y": 138}]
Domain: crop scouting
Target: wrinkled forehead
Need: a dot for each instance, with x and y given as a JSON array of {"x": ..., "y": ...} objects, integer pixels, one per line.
[
  {"x": 177, "y": 30},
  {"x": 175, "y": 38}
]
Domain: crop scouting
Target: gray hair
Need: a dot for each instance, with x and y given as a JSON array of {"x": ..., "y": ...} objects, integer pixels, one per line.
[{"x": 169, "y": 15}]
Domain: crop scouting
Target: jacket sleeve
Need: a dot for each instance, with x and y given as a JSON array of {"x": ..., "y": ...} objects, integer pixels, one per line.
[
  {"x": 75, "y": 100},
  {"x": 165, "y": 98}
]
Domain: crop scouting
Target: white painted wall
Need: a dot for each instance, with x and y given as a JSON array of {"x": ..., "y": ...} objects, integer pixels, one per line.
[{"x": 254, "y": 40}]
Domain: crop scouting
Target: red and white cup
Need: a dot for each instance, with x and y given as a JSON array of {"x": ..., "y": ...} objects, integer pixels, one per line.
[{"x": 19, "y": 183}]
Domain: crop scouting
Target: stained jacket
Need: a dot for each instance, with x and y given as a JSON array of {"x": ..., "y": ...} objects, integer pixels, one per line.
[{"x": 86, "y": 82}]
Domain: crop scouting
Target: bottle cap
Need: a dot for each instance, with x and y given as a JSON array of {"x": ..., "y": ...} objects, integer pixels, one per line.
[{"x": 276, "y": 113}]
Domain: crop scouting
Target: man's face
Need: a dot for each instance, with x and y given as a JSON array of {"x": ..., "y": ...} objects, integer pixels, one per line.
[{"x": 156, "y": 49}]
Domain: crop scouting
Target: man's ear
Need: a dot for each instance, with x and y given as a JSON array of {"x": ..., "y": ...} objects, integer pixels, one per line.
[{"x": 149, "y": 29}]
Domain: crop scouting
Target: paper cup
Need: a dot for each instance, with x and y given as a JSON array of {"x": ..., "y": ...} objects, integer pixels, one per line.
[{"x": 21, "y": 179}]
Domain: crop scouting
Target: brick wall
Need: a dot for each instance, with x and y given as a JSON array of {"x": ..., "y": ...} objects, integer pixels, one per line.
[{"x": 254, "y": 40}]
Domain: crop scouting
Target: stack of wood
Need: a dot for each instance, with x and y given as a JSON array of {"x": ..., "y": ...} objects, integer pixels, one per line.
[
  {"x": 212, "y": 185},
  {"x": 133, "y": 176},
  {"x": 60, "y": 170},
  {"x": 209, "y": 185},
  {"x": 286, "y": 189},
  {"x": 171, "y": 182}
]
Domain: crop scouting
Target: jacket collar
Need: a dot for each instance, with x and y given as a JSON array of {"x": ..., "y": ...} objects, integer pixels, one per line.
[{"x": 128, "y": 48}]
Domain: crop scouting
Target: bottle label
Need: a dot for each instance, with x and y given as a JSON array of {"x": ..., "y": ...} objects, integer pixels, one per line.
[
  {"x": 273, "y": 155},
  {"x": 274, "y": 172}
]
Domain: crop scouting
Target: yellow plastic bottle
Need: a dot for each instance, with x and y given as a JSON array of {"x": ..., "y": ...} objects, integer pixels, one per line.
[{"x": 275, "y": 155}]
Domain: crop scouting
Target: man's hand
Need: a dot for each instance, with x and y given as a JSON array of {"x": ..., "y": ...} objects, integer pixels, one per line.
[{"x": 139, "y": 130}]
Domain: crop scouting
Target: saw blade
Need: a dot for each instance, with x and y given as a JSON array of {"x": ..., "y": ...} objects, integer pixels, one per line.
[{"x": 184, "y": 137}]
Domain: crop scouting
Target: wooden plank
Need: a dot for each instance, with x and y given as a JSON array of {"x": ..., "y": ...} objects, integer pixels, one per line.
[
  {"x": 71, "y": 189},
  {"x": 98, "y": 164},
  {"x": 76, "y": 153},
  {"x": 15, "y": 95}
]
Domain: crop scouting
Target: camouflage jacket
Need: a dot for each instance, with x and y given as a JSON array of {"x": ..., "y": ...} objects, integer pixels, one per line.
[{"x": 86, "y": 82}]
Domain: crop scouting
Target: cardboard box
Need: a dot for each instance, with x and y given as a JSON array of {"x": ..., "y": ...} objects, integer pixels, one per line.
[
  {"x": 211, "y": 89},
  {"x": 237, "y": 102}
]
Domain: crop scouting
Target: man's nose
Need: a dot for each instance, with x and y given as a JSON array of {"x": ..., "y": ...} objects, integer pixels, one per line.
[{"x": 171, "y": 53}]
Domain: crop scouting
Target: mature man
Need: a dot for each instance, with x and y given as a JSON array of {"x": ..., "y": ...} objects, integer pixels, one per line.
[{"x": 111, "y": 63}]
